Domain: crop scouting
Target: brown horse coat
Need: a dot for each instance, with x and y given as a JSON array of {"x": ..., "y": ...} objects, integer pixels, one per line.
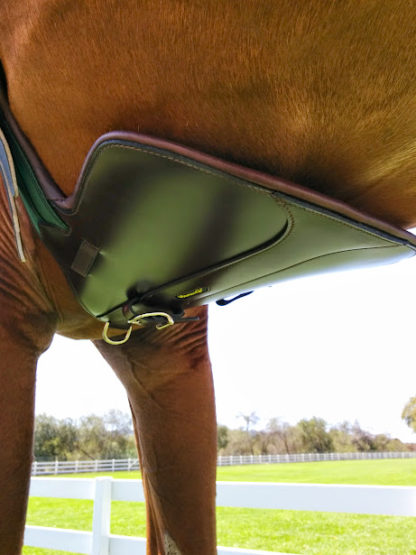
[{"x": 321, "y": 93}]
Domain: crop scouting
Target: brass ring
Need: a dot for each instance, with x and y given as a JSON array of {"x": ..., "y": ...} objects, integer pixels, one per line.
[
  {"x": 169, "y": 320},
  {"x": 115, "y": 341}
]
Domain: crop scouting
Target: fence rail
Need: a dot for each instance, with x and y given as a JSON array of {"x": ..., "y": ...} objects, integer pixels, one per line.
[
  {"x": 386, "y": 500},
  {"x": 74, "y": 467},
  {"x": 113, "y": 465}
]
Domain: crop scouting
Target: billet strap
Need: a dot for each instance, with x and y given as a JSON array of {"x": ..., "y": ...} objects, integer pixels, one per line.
[{"x": 9, "y": 179}]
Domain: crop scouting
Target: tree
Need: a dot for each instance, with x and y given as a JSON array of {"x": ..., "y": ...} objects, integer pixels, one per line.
[
  {"x": 384, "y": 442},
  {"x": 283, "y": 438},
  {"x": 118, "y": 422},
  {"x": 94, "y": 437},
  {"x": 109, "y": 437},
  {"x": 315, "y": 438},
  {"x": 409, "y": 413},
  {"x": 222, "y": 437},
  {"x": 249, "y": 419},
  {"x": 261, "y": 443},
  {"x": 239, "y": 443},
  {"x": 342, "y": 438},
  {"x": 54, "y": 439},
  {"x": 363, "y": 440}
]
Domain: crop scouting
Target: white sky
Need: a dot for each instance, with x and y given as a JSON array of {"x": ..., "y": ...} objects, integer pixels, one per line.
[{"x": 339, "y": 346}]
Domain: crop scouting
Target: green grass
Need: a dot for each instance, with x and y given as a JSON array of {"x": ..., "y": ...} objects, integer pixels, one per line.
[
  {"x": 387, "y": 472},
  {"x": 308, "y": 533}
]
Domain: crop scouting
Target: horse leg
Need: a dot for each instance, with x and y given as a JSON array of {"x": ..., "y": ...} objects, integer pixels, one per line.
[
  {"x": 167, "y": 375},
  {"x": 17, "y": 374},
  {"x": 26, "y": 328}
]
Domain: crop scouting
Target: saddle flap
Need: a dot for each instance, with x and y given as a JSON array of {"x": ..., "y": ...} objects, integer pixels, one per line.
[
  {"x": 154, "y": 227},
  {"x": 168, "y": 227},
  {"x": 145, "y": 217}
]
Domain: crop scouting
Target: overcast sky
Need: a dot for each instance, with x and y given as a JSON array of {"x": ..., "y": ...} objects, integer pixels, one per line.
[{"x": 339, "y": 346}]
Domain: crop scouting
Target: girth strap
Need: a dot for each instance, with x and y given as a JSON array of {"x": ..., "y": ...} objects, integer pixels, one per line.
[{"x": 9, "y": 179}]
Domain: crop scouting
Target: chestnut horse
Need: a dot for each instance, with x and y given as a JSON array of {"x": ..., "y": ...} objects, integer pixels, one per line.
[{"x": 319, "y": 92}]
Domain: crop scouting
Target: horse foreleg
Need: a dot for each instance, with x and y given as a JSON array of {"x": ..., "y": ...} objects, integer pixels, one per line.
[
  {"x": 168, "y": 379},
  {"x": 18, "y": 358},
  {"x": 20, "y": 346},
  {"x": 17, "y": 374},
  {"x": 27, "y": 324}
]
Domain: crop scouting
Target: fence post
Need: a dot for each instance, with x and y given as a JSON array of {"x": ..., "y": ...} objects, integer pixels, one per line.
[{"x": 101, "y": 517}]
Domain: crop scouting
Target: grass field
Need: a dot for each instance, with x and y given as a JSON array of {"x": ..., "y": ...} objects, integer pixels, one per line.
[{"x": 308, "y": 533}]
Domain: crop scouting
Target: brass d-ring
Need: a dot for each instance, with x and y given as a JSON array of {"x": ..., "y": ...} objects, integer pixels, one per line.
[
  {"x": 137, "y": 321},
  {"x": 115, "y": 341}
]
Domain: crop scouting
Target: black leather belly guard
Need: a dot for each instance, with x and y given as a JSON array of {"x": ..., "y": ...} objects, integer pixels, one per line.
[{"x": 155, "y": 226}]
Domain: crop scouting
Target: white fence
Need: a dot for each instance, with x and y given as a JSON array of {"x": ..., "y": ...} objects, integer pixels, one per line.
[
  {"x": 73, "y": 467},
  {"x": 313, "y": 457},
  {"x": 384, "y": 500},
  {"x": 112, "y": 465}
]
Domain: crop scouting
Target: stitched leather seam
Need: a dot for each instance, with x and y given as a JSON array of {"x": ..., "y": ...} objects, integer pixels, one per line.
[
  {"x": 347, "y": 224},
  {"x": 226, "y": 177},
  {"x": 257, "y": 188}
]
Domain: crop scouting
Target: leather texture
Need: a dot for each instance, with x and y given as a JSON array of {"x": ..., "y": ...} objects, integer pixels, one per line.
[{"x": 153, "y": 225}]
